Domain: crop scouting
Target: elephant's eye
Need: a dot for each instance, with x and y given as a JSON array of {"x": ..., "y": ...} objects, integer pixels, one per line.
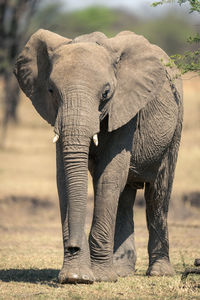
[
  {"x": 50, "y": 90},
  {"x": 106, "y": 92}
]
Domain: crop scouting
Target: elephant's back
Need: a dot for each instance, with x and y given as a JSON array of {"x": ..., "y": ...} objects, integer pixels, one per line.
[{"x": 171, "y": 69}]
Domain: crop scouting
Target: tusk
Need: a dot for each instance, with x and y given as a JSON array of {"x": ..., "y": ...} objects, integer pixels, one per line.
[
  {"x": 55, "y": 139},
  {"x": 95, "y": 139}
]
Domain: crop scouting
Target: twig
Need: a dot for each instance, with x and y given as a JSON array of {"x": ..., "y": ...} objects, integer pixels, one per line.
[
  {"x": 189, "y": 271},
  {"x": 197, "y": 262}
]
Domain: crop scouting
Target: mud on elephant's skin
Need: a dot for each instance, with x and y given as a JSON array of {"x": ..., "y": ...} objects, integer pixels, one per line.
[{"x": 116, "y": 107}]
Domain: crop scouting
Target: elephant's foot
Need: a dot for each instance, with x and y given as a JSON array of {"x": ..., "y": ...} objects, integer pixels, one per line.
[
  {"x": 160, "y": 267},
  {"x": 76, "y": 275},
  {"x": 104, "y": 273},
  {"x": 124, "y": 266},
  {"x": 77, "y": 265},
  {"x": 124, "y": 260},
  {"x": 124, "y": 271}
]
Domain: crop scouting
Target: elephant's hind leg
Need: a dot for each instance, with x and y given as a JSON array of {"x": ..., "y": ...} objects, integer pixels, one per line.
[
  {"x": 157, "y": 196},
  {"x": 124, "y": 245}
]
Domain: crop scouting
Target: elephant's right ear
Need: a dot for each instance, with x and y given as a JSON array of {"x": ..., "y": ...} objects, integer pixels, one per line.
[{"x": 32, "y": 69}]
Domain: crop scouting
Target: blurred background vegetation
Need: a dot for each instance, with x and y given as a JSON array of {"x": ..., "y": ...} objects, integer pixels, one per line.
[{"x": 169, "y": 27}]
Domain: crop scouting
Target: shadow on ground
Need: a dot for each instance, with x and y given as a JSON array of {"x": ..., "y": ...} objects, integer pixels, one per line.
[{"x": 42, "y": 276}]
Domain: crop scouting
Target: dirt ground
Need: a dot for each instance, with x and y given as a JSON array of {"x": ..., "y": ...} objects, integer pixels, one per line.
[{"x": 30, "y": 232}]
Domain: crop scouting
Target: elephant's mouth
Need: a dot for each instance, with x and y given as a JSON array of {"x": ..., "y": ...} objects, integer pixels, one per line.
[{"x": 94, "y": 138}]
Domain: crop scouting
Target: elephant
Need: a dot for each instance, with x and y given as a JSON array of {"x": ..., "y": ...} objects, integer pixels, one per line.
[{"x": 116, "y": 108}]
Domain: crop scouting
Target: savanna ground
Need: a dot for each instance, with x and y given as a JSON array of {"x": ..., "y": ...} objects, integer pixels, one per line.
[{"x": 30, "y": 231}]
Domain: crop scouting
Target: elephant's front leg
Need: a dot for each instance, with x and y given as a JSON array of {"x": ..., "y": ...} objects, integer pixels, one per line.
[
  {"x": 76, "y": 266},
  {"x": 107, "y": 187}
]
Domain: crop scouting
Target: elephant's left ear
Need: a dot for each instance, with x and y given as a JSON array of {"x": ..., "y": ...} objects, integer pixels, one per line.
[{"x": 140, "y": 76}]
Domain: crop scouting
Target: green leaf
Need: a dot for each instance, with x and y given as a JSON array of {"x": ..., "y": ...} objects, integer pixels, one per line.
[{"x": 154, "y": 4}]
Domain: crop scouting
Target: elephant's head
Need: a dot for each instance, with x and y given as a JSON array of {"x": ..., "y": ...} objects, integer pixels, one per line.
[{"x": 75, "y": 84}]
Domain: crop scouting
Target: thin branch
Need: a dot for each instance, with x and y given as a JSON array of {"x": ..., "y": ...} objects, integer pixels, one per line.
[{"x": 189, "y": 271}]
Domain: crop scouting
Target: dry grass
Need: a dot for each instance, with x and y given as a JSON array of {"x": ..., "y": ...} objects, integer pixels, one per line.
[
  {"x": 30, "y": 232},
  {"x": 31, "y": 256}
]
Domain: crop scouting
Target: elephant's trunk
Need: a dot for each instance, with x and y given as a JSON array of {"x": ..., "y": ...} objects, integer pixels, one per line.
[
  {"x": 76, "y": 174},
  {"x": 79, "y": 123}
]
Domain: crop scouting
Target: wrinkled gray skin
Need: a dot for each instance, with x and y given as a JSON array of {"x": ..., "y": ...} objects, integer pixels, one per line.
[{"x": 121, "y": 89}]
